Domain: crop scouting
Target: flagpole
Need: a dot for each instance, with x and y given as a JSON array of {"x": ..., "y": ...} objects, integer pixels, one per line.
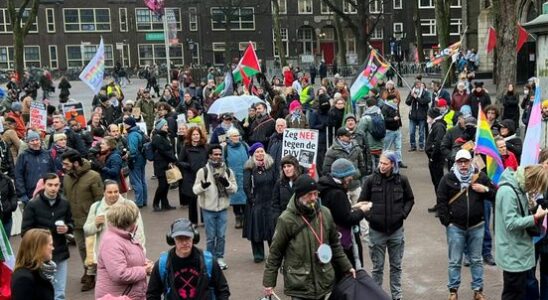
[
  {"x": 447, "y": 74},
  {"x": 166, "y": 42},
  {"x": 390, "y": 64}
]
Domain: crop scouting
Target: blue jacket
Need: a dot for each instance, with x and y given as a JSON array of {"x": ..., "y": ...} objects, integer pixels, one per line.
[
  {"x": 235, "y": 156},
  {"x": 113, "y": 166},
  {"x": 134, "y": 143},
  {"x": 30, "y": 167},
  {"x": 218, "y": 131}
]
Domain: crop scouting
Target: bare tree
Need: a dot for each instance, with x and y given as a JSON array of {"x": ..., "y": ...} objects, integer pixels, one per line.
[
  {"x": 505, "y": 51},
  {"x": 278, "y": 31},
  {"x": 21, "y": 21},
  {"x": 442, "y": 23},
  {"x": 418, "y": 30}
]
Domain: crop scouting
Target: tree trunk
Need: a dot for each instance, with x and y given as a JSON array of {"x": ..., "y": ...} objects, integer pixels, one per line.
[
  {"x": 19, "y": 52},
  {"x": 506, "y": 58},
  {"x": 418, "y": 30},
  {"x": 442, "y": 23},
  {"x": 278, "y": 32},
  {"x": 341, "y": 43}
]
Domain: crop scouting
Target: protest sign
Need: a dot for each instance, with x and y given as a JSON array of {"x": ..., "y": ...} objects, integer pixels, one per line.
[
  {"x": 38, "y": 116},
  {"x": 75, "y": 111},
  {"x": 302, "y": 144}
]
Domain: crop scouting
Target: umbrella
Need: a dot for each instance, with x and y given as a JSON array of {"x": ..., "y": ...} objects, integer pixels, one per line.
[{"x": 237, "y": 105}]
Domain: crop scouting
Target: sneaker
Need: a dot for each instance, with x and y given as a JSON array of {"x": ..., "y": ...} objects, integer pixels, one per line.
[
  {"x": 412, "y": 150},
  {"x": 433, "y": 209},
  {"x": 453, "y": 295},
  {"x": 222, "y": 264},
  {"x": 421, "y": 149},
  {"x": 489, "y": 260},
  {"x": 478, "y": 295}
]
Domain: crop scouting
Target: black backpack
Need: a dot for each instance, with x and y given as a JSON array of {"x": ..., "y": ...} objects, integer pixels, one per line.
[{"x": 378, "y": 129}]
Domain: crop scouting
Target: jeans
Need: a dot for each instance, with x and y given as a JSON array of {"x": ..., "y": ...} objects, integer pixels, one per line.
[
  {"x": 457, "y": 239},
  {"x": 412, "y": 130},
  {"x": 7, "y": 227},
  {"x": 378, "y": 243},
  {"x": 487, "y": 240},
  {"x": 215, "y": 228},
  {"x": 375, "y": 161},
  {"x": 60, "y": 279},
  {"x": 139, "y": 184},
  {"x": 393, "y": 138}
]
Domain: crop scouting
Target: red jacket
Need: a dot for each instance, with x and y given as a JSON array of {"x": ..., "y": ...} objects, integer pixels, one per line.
[
  {"x": 510, "y": 161},
  {"x": 20, "y": 124},
  {"x": 288, "y": 78}
]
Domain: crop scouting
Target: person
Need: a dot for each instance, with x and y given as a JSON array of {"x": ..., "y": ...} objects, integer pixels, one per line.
[
  {"x": 296, "y": 117},
  {"x": 136, "y": 161},
  {"x": 513, "y": 141},
  {"x": 275, "y": 143},
  {"x": 514, "y": 248},
  {"x": 57, "y": 150},
  {"x": 9, "y": 136},
  {"x": 49, "y": 210},
  {"x": 213, "y": 185},
  {"x": 110, "y": 159},
  {"x": 74, "y": 140},
  {"x": 508, "y": 158},
  {"x": 479, "y": 97},
  {"x": 460, "y": 197},
  {"x": 359, "y": 138},
  {"x": 333, "y": 190},
  {"x": 262, "y": 127},
  {"x": 16, "y": 115},
  {"x": 122, "y": 267},
  {"x": 82, "y": 187},
  {"x": 235, "y": 154},
  {"x": 33, "y": 276},
  {"x": 283, "y": 190},
  {"x": 147, "y": 105},
  {"x": 433, "y": 149},
  {"x": 460, "y": 97},
  {"x": 259, "y": 179},
  {"x": 492, "y": 113},
  {"x": 458, "y": 135},
  {"x": 392, "y": 199},
  {"x": 247, "y": 121},
  {"x": 418, "y": 100},
  {"x": 393, "y": 124},
  {"x": 185, "y": 270},
  {"x": 439, "y": 93},
  {"x": 391, "y": 92},
  {"x": 303, "y": 229},
  {"x": 8, "y": 202},
  {"x": 193, "y": 119},
  {"x": 366, "y": 126},
  {"x": 219, "y": 134},
  {"x": 163, "y": 157},
  {"x": 510, "y": 104},
  {"x": 544, "y": 125}
]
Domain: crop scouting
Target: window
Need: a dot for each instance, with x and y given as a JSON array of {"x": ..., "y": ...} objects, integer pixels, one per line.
[
  {"x": 325, "y": 10},
  {"x": 240, "y": 18},
  {"x": 350, "y": 40},
  {"x": 396, "y": 4},
  {"x": 285, "y": 43},
  {"x": 218, "y": 53},
  {"x": 148, "y": 21},
  {"x": 195, "y": 50},
  {"x": 376, "y": 6},
  {"x": 126, "y": 58},
  {"x": 4, "y": 23},
  {"x": 80, "y": 55},
  {"x": 377, "y": 33},
  {"x": 348, "y": 8},
  {"x": 34, "y": 25},
  {"x": 243, "y": 45},
  {"x": 428, "y": 27},
  {"x": 31, "y": 57},
  {"x": 122, "y": 15},
  {"x": 426, "y": 3},
  {"x": 305, "y": 37},
  {"x": 192, "y": 19},
  {"x": 455, "y": 27},
  {"x": 398, "y": 29},
  {"x": 282, "y": 5},
  {"x": 50, "y": 20},
  {"x": 156, "y": 54},
  {"x": 456, "y": 4},
  {"x": 305, "y": 7},
  {"x": 53, "y": 61},
  {"x": 87, "y": 20}
]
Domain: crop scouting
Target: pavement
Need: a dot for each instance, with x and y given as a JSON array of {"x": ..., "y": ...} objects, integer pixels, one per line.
[{"x": 425, "y": 257}]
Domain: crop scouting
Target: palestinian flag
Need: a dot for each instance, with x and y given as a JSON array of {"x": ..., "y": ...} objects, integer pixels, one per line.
[
  {"x": 369, "y": 77},
  {"x": 7, "y": 264},
  {"x": 247, "y": 67}
]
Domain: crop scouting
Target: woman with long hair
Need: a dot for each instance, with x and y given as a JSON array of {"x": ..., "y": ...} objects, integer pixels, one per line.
[{"x": 35, "y": 270}]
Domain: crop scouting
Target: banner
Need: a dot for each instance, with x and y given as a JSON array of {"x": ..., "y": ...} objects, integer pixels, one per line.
[
  {"x": 171, "y": 27},
  {"x": 302, "y": 144},
  {"x": 75, "y": 111},
  {"x": 38, "y": 115},
  {"x": 93, "y": 73}
]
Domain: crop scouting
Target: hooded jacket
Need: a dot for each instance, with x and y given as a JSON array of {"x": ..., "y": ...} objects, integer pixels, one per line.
[
  {"x": 82, "y": 187},
  {"x": 365, "y": 126},
  {"x": 433, "y": 142},
  {"x": 419, "y": 106},
  {"x": 30, "y": 167},
  {"x": 353, "y": 154}
]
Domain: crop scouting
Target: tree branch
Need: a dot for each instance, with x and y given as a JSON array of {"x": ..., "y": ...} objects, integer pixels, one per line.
[
  {"x": 32, "y": 16},
  {"x": 341, "y": 14}
]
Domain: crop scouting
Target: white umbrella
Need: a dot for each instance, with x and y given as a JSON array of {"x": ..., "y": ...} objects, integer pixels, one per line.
[{"x": 237, "y": 105}]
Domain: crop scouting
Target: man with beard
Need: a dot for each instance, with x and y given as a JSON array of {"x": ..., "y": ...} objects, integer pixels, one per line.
[
  {"x": 263, "y": 127},
  {"x": 275, "y": 145},
  {"x": 479, "y": 96},
  {"x": 85, "y": 135},
  {"x": 188, "y": 103},
  {"x": 247, "y": 121}
]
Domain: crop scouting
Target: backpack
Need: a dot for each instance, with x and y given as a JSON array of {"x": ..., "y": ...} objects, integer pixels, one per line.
[
  {"x": 206, "y": 261},
  {"x": 145, "y": 143},
  {"x": 377, "y": 130}
]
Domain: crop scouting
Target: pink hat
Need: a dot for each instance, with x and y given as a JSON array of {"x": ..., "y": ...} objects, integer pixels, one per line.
[{"x": 295, "y": 104}]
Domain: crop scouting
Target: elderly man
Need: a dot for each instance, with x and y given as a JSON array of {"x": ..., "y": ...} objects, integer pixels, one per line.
[
  {"x": 74, "y": 140},
  {"x": 275, "y": 144}
]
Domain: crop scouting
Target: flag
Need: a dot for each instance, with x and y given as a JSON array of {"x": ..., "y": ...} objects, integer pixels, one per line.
[
  {"x": 522, "y": 37},
  {"x": 369, "y": 77},
  {"x": 249, "y": 65},
  {"x": 93, "y": 73},
  {"x": 444, "y": 54},
  {"x": 245, "y": 79},
  {"x": 229, "y": 86},
  {"x": 156, "y": 6},
  {"x": 491, "y": 40},
  {"x": 7, "y": 264},
  {"x": 531, "y": 143},
  {"x": 485, "y": 144}
]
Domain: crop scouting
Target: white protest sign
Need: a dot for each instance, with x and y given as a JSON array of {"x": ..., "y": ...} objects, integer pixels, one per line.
[
  {"x": 302, "y": 144},
  {"x": 38, "y": 116}
]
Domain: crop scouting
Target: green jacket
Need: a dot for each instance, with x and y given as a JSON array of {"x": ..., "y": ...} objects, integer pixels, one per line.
[
  {"x": 304, "y": 275},
  {"x": 147, "y": 111},
  {"x": 514, "y": 249},
  {"x": 366, "y": 124}
]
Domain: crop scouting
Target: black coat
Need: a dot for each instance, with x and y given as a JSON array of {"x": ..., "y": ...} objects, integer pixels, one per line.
[
  {"x": 191, "y": 159},
  {"x": 515, "y": 146},
  {"x": 29, "y": 285},
  {"x": 467, "y": 210},
  {"x": 479, "y": 98},
  {"x": 163, "y": 153},
  {"x": 8, "y": 198},
  {"x": 281, "y": 194},
  {"x": 419, "y": 106},
  {"x": 275, "y": 150},
  {"x": 433, "y": 142},
  {"x": 389, "y": 114},
  {"x": 363, "y": 287},
  {"x": 510, "y": 104},
  {"x": 448, "y": 145},
  {"x": 40, "y": 214},
  {"x": 392, "y": 200}
]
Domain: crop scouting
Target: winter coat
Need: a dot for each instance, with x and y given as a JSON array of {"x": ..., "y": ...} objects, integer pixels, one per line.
[
  {"x": 135, "y": 144},
  {"x": 20, "y": 127},
  {"x": 419, "y": 106},
  {"x": 302, "y": 122},
  {"x": 335, "y": 119},
  {"x": 388, "y": 114},
  {"x": 366, "y": 124},
  {"x": 467, "y": 210},
  {"x": 8, "y": 198},
  {"x": 320, "y": 122},
  {"x": 392, "y": 200},
  {"x": 448, "y": 145},
  {"x": 458, "y": 100},
  {"x": 120, "y": 265},
  {"x": 281, "y": 194},
  {"x": 354, "y": 154},
  {"x": 261, "y": 130},
  {"x": 479, "y": 98},
  {"x": 82, "y": 187},
  {"x": 147, "y": 111},
  {"x": 191, "y": 159},
  {"x": 163, "y": 153},
  {"x": 74, "y": 141},
  {"x": 64, "y": 87},
  {"x": 275, "y": 146},
  {"x": 440, "y": 94},
  {"x": 433, "y": 142},
  {"x": 236, "y": 155},
  {"x": 209, "y": 198},
  {"x": 510, "y": 104},
  {"x": 113, "y": 166},
  {"x": 29, "y": 285},
  {"x": 258, "y": 183},
  {"x": 30, "y": 167},
  {"x": 40, "y": 214},
  {"x": 288, "y": 78},
  {"x": 304, "y": 275},
  {"x": 217, "y": 132},
  {"x": 514, "y": 248}
]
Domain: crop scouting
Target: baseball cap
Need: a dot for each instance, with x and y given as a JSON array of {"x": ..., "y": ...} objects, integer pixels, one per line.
[
  {"x": 343, "y": 131},
  {"x": 182, "y": 227},
  {"x": 470, "y": 121},
  {"x": 463, "y": 154}
]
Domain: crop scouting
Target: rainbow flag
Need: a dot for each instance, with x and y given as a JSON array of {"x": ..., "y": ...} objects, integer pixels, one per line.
[
  {"x": 7, "y": 264},
  {"x": 369, "y": 77},
  {"x": 93, "y": 73},
  {"x": 485, "y": 144},
  {"x": 531, "y": 143},
  {"x": 445, "y": 53}
]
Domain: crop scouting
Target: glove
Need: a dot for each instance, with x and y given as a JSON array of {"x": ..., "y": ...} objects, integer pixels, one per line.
[
  {"x": 224, "y": 181},
  {"x": 205, "y": 185}
]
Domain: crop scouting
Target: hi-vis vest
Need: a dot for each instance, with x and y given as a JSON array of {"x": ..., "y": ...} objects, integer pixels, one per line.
[{"x": 303, "y": 96}]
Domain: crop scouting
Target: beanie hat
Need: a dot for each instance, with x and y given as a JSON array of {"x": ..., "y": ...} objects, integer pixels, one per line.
[
  {"x": 342, "y": 168},
  {"x": 32, "y": 135},
  {"x": 545, "y": 103},
  {"x": 59, "y": 136},
  {"x": 131, "y": 121},
  {"x": 393, "y": 157},
  {"x": 295, "y": 104},
  {"x": 254, "y": 148},
  {"x": 304, "y": 185},
  {"x": 16, "y": 106},
  {"x": 350, "y": 116},
  {"x": 441, "y": 102},
  {"x": 466, "y": 110},
  {"x": 509, "y": 124},
  {"x": 434, "y": 113},
  {"x": 159, "y": 124}
]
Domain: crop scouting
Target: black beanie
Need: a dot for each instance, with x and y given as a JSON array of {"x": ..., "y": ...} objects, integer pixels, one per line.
[
  {"x": 304, "y": 185},
  {"x": 434, "y": 113}
]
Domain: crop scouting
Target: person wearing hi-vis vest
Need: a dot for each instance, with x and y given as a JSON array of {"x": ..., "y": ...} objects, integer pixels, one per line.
[{"x": 306, "y": 96}]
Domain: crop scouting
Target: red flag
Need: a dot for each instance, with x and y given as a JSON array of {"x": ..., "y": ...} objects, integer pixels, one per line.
[
  {"x": 522, "y": 38},
  {"x": 245, "y": 79},
  {"x": 250, "y": 59},
  {"x": 492, "y": 39}
]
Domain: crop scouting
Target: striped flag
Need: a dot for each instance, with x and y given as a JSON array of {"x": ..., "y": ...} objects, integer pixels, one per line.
[
  {"x": 93, "y": 73},
  {"x": 7, "y": 264},
  {"x": 369, "y": 77},
  {"x": 246, "y": 68},
  {"x": 485, "y": 144},
  {"x": 531, "y": 143}
]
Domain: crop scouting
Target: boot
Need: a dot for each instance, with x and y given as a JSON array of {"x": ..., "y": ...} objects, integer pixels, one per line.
[
  {"x": 89, "y": 283},
  {"x": 453, "y": 294},
  {"x": 83, "y": 278},
  {"x": 478, "y": 295},
  {"x": 238, "y": 222}
]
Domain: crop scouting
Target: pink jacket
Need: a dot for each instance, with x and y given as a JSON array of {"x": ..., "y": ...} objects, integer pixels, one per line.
[{"x": 120, "y": 264}]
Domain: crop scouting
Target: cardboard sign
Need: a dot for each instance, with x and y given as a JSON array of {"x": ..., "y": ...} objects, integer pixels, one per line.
[
  {"x": 38, "y": 116},
  {"x": 302, "y": 144},
  {"x": 75, "y": 111},
  {"x": 181, "y": 118}
]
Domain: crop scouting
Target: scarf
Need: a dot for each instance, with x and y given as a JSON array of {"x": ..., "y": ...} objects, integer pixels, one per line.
[
  {"x": 47, "y": 271},
  {"x": 347, "y": 146},
  {"x": 226, "y": 127},
  {"x": 464, "y": 179},
  {"x": 391, "y": 104},
  {"x": 259, "y": 163},
  {"x": 218, "y": 168},
  {"x": 296, "y": 116}
]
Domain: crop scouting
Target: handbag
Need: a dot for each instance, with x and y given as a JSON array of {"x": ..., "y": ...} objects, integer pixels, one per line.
[{"x": 173, "y": 174}]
